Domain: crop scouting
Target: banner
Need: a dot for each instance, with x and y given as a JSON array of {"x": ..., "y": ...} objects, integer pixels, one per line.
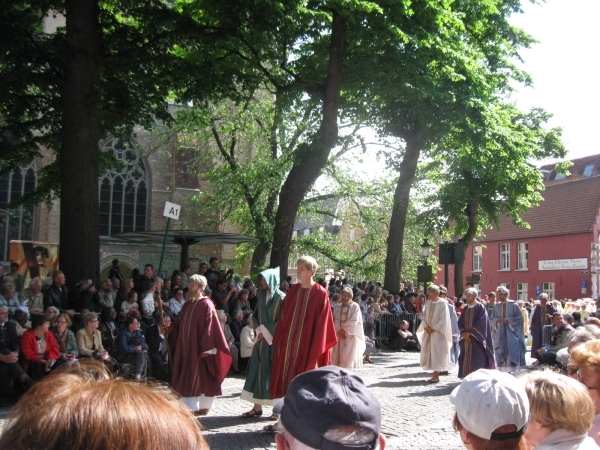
[{"x": 35, "y": 259}]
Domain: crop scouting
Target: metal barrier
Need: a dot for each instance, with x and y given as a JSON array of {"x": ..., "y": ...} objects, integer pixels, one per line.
[
  {"x": 547, "y": 335},
  {"x": 386, "y": 323}
]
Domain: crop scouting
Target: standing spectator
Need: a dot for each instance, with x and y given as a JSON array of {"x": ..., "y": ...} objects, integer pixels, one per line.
[
  {"x": 492, "y": 411},
  {"x": 542, "y": 316},
  {"x": 561, "y": 412},
  {"x": 57, "y": 294},
  {"x": 435, "y": 335},
  {"x": 266, "y": 318},
  {"x": 525, "y": 314},
  {"x": 349, "y": 350},
  {"x": 222, "y": 295},
  {"x": 17, "y": 277},
  {"x": 142, "y": 279},
  {"x": 212, "y": 273},
  {"x": 148, "y": 303},
  {"x": 115, "y": 272},
  {"x": 200, "y": 354},
  {"x": 476, "y": 346},
  {"x": 122, "y": 293},
  {"x": 507, "y": 321},
  {"x": 185, "y": 274},
  {"x": 202, "y": 269}
]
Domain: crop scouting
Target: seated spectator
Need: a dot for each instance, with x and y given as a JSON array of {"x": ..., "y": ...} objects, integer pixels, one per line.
[
  {"x": 252, "y": 297},
  {"x": 247, "y": 342},
  {"x": 156, "y": 336},
  {"x": 51, "y": 314},
  {"x": 130, "y": 303},
  {"x": 84, "y": 296},
  {"x": 32, "y": 296},
  {"x": 492, "y": 411},
  {"x": 561, "y": 412},
  {"x": 243, "y": 303},
  {"x": 577, "y": 320},
  {"x": 106, "y": 295},
  {"x": 561, "y": 335},
  {"x": 10, "y": 369},
  {"x": 176, "y": 303},
  {"x": 89, "y": 339},
  {"x": 20, "y": 319},
  {"x": 39, "y": 350},
  {"x": 579, "y": 336},
  {"x": 230, "y": 339},
  {"x": 122, "y": 294},
  {"x": 329, "y": 408},
  {"x": 17, "y": 277},
  {"x": 8, "y": 297},
  {"x": 404, "y": 340},
  {"x": 394, "y": 304},
  {"x": 132, "y": 348},
  {"x": 77, "y": 410},
  {"x": 109, "y": 329},
  {"x": 65, "y": 338},
  {"x": 237, "y": 323},
  {"x": 585, "y": 366}
]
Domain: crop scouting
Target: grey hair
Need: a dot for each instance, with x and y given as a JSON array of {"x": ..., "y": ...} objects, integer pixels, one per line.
[
  {"x": 503, "y": 290},
  {"x": 236, "y": 312},
  {"x": 586, "y": 333},
  {"x": 221, "y": 313},
  {"x": 471, "y": 291},
  {"x": 35, "y": 280},
  {"x": 3, "y": 307},
  {"x": 200, "y": 280},
  {"x": 543, "y": 295}
]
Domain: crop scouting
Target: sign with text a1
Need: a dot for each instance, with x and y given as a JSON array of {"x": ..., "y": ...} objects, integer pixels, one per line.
[{"x": 172, "y": 210}]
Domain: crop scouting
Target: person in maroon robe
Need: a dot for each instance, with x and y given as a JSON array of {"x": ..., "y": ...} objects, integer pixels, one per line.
[
  {"x": 200, "y": 354},
  {"x": 305, "y": 331}
]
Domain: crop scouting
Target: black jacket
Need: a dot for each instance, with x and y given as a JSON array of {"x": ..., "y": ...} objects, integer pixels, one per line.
[{"x": 57, "y": 298}]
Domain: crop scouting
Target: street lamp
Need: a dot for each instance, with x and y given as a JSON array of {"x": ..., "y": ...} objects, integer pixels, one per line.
[
  {"x": 424, "y": 272},
  {"x": 425, "y": 249}
]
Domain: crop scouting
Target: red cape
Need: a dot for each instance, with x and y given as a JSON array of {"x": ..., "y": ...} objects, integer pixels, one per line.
[
  {"x": 197, "y": 331},
  {"x": 303, "y": 338}
]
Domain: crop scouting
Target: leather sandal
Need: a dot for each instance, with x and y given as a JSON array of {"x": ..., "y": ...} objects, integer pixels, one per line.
[
  {"x": 433, "y": 380},
  {"x": 273, "y": 428},
  {"x": 252, "y": 413}
]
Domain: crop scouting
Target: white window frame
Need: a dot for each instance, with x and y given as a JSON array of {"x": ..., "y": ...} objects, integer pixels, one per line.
[
  {"x": 548, "y": 287},
  {"x": 504, "y": 257},
  {"x": 477, "y": 258},
  {"x": 522, "y": 290},
  {"x": 522, "y": 256}
]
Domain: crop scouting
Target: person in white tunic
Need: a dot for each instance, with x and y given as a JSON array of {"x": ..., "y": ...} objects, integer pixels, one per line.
[
  {"x": 349, "y": 350},
  {"x": 435, "y": 334}
]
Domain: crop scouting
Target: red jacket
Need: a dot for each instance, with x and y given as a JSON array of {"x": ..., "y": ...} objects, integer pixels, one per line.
[{"x": 29, "y": 348}]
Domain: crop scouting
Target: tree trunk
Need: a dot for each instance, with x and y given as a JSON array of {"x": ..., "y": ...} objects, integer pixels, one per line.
[
  {"x": 79, "y": 153},
  {"x": 311, "y": 158},
  {"x": 395, "y": 240},
  {"x": 259, "y": 257},
  {"x": 472, "y": 212}
]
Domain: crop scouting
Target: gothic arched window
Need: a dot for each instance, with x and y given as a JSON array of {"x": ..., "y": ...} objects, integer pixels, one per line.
[
  {"x": 18, "y": 224},
  {"x": 123, "y": 191}
]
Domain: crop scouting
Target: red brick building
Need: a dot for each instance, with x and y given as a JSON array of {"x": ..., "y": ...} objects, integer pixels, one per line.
[{"x": 558, "y": 254}]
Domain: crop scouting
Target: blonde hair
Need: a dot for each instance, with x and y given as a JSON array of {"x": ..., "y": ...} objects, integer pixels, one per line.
[
  {"x": 91, "y": 411},
  {"x": 586, "y": 355},
  {"x": 88, "y": 317},
  {"x": 309, "y": 262},
  {"x": 559, "y": 402},
  {"x": 433, "y": 288}
]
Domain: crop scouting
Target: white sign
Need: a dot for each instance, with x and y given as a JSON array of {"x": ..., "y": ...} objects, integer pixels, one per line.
[
  {"x": 563, "y": 264},
  {"x": 172, "y": 210}
]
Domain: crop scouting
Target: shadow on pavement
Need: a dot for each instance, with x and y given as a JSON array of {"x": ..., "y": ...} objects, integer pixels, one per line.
[
  {"x": 241, "y": 440},
  {"x": 212, "y": 423}
]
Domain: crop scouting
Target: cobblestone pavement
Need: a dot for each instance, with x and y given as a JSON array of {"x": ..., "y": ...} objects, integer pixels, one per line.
[{"x": 415, "y": 414}]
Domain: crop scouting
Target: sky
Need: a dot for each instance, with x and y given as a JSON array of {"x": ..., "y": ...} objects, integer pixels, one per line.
[{"x": 564, "y": 66}]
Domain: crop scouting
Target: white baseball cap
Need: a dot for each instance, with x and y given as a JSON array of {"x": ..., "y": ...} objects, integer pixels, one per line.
[{"x": 488, "y": 399}]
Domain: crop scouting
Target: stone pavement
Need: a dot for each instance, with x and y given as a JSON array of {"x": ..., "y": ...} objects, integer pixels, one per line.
[{"x": 415, "y": 414}]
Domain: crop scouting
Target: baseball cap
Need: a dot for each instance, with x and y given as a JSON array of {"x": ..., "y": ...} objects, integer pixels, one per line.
[
  {"x": 326, "y": 398},
  {"x": 488, "y": 399}
]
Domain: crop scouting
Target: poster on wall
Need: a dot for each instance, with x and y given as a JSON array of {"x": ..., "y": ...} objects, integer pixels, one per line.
[{"x": 35, "y": 259}]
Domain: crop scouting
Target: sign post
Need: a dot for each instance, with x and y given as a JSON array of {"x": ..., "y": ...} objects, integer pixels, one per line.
[{"x": 171, "y": 212}]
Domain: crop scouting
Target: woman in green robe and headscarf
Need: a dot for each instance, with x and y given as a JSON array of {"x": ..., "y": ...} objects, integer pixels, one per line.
[{"x": 266, "y": 316}]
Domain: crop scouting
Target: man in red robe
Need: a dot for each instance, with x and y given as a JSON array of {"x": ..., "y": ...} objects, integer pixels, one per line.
[
  {"x": 305, "y": 332},
  {"x": 200, "y": 354}
]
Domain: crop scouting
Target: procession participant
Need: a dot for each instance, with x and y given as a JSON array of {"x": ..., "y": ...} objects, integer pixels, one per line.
[
  {"x": 507, "y": 321},
  {"x": 200, "y": 354},
  {"x": 348, "y": 352},
  {"x": 542, "y": 316},
  {"x": 305, "y": 333},
  {"x": 476, "y": 346},
  {"x": 435, "y": 335},
  {"x": 265, "y": 318}
]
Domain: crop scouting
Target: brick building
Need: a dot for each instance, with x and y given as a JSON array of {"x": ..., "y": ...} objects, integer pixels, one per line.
[{"x": 558, "y": 254}]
